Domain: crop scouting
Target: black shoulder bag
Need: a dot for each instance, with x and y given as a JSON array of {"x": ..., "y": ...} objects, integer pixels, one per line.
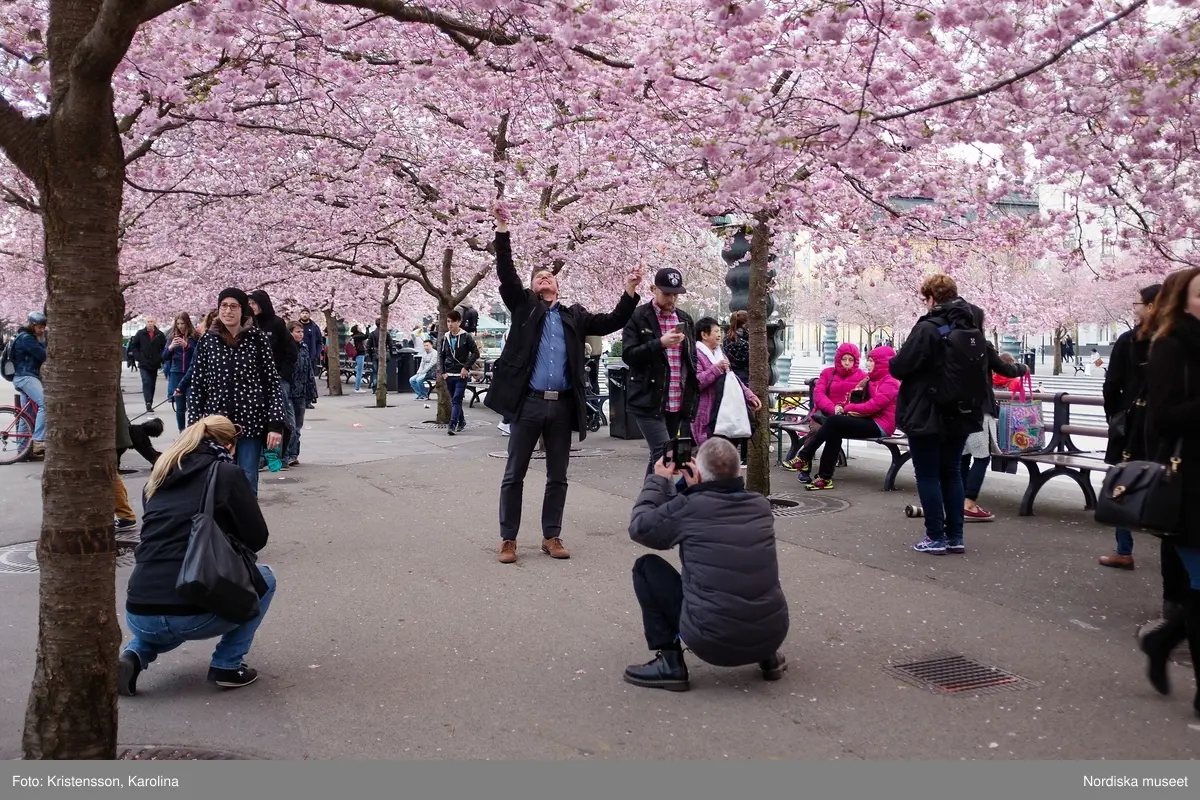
[
  {"x": 1144, "y": 495},
  {"x": 215, "y": 574}
]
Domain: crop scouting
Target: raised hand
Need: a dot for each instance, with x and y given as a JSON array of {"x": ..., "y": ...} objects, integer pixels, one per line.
[{"x": 632, "y": 281}]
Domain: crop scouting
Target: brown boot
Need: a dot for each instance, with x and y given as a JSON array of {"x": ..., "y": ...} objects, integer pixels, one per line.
[
  {"x": 38, "y": 451},
  {"x": 508, "y": 551},
  {"x": 1117, "y": 561},
  {"x": 554, "y": 548}
]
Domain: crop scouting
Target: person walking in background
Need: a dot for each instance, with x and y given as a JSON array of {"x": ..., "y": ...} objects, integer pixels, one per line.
[
  {"x": 304, "y": 389},
  {"x": 712, "y": 372},
  {"x": 283, "y": 351},
  {"x": 831, "y": 389},
  {"x": 28, "y": 355},
  {"x": 456, "y": 355},
  {"x": 314, "y": 339},
  {"x": 1173, "y": 401},
  {"x": 868, "y": 413},
  {"x": 147, "y": 347},
  {"x": 659, "y": 345},
  {"x": 1124, "y": 405},
  {"x": 426, "y": 369},
  {"x": 944, "y": 388},
  {"x": 737, "y": 346},
  {"x": 234, "y": 376},
  {"x": 158, "y": 618},
  {"x": 178, "y": 357},
  {"x": 536, "y": 386},
  {"x": 727, "y": 607},
  {"x": 359, "y": 340}
]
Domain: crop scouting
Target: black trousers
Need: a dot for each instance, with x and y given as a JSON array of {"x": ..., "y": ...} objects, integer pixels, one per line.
[
  {"x": 658, "y": 432},
  {"x": 831, "y": 433},
  {"x": 659, "y": 590},
  {"x": 149, "y": 381},
  {"x": 551, "y": 421}
]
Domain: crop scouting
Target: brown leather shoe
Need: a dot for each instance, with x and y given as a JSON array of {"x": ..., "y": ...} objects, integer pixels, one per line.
[
  {"x": 554, "y": 548},
  {"x": 37, "y": 452},
  {"x": 1117, "y": 561},
  {"x": 508, "y": 551}
]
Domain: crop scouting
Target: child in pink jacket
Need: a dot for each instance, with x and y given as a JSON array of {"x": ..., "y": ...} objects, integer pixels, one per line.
[{"x": 872, "y": 416}]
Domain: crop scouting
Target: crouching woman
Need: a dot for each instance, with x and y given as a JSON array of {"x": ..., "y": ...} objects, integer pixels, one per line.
[{"x": 159, "y": 618}]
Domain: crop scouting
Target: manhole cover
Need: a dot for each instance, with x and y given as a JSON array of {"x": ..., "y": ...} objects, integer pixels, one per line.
[
  {"x": 22, "y": 558},
  {"x": 581, "y": 452},
  {"x": 1181, "y": 655},
  {"x": 441, "y": 426},
  {"x": 952, "y": 674},
  {"x": 806, "y": 505},
  {"x": 159, "y": 752}
]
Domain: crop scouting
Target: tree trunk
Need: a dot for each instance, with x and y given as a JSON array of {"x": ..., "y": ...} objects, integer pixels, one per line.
[
  {"x": 443, "y": 403},
  {"x": 72, "y": 709},
  {"x": 1058, "y": 334},
  {"x": 758, "y": 462},
  {"x": 385, "y": 307},
  {"x": 333, "y": 355}
]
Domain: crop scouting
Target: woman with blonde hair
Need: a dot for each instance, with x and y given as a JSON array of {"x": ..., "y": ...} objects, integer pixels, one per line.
[{"x": 157, "y": 616}]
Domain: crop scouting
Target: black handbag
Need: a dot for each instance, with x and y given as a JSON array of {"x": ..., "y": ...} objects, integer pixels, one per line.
[
  {"x": 215, "y": 574},
  {"x": 1143, "y": 495}
]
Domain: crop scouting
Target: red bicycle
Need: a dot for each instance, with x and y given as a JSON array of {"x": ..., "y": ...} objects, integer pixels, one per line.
[{"x": 16, "y": 431}]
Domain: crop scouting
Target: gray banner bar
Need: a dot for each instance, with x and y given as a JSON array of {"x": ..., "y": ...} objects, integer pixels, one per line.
[{"x": 928, "y": 780}]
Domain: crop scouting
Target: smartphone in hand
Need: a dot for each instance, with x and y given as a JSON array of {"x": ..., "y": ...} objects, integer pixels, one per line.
[{"x": 680, "y": 454}]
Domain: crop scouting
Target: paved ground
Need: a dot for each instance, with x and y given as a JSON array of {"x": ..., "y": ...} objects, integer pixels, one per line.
[{"x": 396, "y": 634}]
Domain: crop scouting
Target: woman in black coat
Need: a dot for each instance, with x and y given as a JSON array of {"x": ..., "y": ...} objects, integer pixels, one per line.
[
  {"x": 1123, "y": 385},
  {"x": 158, "y": 617},
  {"x": 1173, "y": 398}
]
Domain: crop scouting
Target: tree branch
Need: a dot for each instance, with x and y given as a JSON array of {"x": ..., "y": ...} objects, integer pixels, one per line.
[
  {"x": 97, "y": 56},
  {"x": 21, "y": 140}
]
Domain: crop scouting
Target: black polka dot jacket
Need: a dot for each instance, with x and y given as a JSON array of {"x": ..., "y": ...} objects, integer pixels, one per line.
[{"x": 238, "y": 381}]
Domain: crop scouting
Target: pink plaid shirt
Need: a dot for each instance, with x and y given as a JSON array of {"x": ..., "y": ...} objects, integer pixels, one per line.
[{"x": 666, "y": 324}]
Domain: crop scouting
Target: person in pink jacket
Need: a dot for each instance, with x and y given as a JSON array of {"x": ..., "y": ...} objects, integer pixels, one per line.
[
  {"x": 869, "y": 413},
  {"x": 830, "y": 390},
  {"x": 711, "y": 366}
]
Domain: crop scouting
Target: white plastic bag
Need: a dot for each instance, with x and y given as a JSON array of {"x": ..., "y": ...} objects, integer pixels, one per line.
[{"x": 733, "y": 418}]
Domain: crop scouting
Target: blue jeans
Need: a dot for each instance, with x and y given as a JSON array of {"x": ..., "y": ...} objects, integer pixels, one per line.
[
  {"x": 374, "y": 373},
  {"x": 1190, "y": 556},
  {"x": 31, "y": 388},
  {"x": 457, "y": 387},
  {"x": 417, "y": 382},
  {"x": 298, "y": 408},
  {"x": 249, "y": 453},
  {"x": 937, "y": 463},
  {"x": 180, "y": 402},
  {"x": 973, "y": 475},
  {"x": 359, "y": 363},
  {"x": 157, "y": 634},
  {"x": 1124, "y": 542}
]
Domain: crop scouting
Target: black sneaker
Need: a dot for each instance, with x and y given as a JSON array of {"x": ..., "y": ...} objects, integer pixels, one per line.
[
  {"x": 232, "y": 678},
  {"x": 124, "y": 524},
  {"x": 774, "y": 667},
  {"x": 128, "y": 669},
  {"x": 451, "y": 430}
]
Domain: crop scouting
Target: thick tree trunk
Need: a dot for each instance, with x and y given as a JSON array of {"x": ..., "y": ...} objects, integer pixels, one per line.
[
  {"x": 758, "y": 462},
  {"x": 333, "y": 355},
  {"x": 443, "y": 403},
  {"x": 385, "y": 306},
  {"x": 72, "y": 709},
  {"x": 1058, "y": 334}
]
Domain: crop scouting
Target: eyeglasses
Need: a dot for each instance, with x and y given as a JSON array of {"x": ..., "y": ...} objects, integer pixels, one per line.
[{"x": 230, "y": 307}]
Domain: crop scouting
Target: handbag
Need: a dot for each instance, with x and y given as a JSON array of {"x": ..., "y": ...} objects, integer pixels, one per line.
[
  {"x": 215, "y": 574},
  {"x": 733, "y": 417},
  {"x": 1020, "y": 426},
  {"x": 1143, "y": 495}
]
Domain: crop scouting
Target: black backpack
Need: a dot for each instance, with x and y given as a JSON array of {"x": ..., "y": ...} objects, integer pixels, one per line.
[
  {"x": 8, "y": 367},
  {"x": 962, "y": 384}
]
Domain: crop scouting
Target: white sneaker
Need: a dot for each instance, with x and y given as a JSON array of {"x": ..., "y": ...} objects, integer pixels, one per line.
[{"x": 504, "y": 428}]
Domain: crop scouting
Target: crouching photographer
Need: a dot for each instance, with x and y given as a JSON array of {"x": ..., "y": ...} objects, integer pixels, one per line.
[{"x": 727, "y": 606}]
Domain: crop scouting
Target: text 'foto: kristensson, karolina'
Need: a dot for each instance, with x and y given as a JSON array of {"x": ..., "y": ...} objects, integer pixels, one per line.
[
  {"x": 76, "y": 782},
  {"x": 1128, "y": 780}
]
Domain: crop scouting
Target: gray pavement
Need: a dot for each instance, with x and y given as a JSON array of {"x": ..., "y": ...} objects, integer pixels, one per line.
[{"x": 396, "y": 634}]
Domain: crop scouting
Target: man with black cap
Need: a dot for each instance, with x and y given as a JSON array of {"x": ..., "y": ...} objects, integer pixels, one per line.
[
  {"x": 660, "y": 348},
  {"x": 537, "y": 385}
]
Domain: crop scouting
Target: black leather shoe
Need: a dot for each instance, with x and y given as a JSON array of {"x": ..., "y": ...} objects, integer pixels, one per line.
[
  {"x": 774, "y": 667},
  {"x": 232, "y": 678},
  {"x": 666, "y": 671},
  {"x": 1157, "y": 645},
  {"x": 128, "y": 669}
]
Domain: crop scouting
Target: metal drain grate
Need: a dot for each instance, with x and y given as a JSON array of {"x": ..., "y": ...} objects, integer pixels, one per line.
[
  {"x": 158, "y": 752},
  {"x": 805, "y": 505},
  {"x": 16, "y": 559},
  {"x": 580, "y": 452},
  {"x": 441, "y": 426},
  {"x": 952, "y": 674}
]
